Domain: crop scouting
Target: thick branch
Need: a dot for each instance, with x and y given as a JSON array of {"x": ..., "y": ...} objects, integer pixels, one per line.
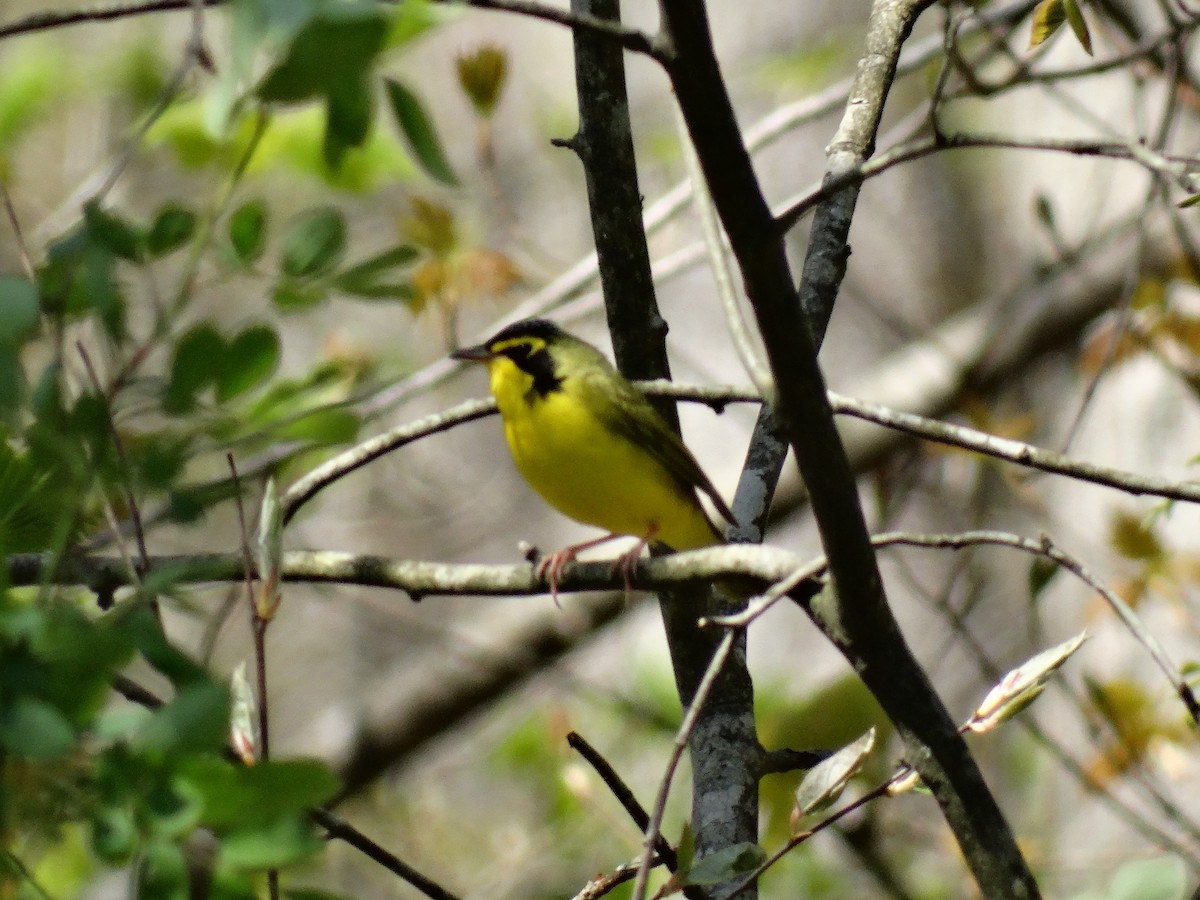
[
  {"x": 856, "y": 616},
  {"x": 725, "y": 749}
]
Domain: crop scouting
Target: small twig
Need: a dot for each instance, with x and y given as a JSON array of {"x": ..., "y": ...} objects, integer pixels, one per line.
[
  {"x": 258, "y": 624},
  {"x": 18, "y": 234},
  {"x": 624, "y": 796},
  {"x": 344, "y": 831},
  {"x": 1016, "y": 451},
  {"x": 1047, "y": 549},
  {"x": 119, "y": 449},
  {"x": 735, "y": 319},
  {"x": 356, "y": 457},
  {"x": 681, "y": 741},
  {"x": 603, "y": 885}
]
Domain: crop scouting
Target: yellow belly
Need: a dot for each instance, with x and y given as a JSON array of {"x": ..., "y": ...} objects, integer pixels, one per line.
[{"x": 596, "y": 477}]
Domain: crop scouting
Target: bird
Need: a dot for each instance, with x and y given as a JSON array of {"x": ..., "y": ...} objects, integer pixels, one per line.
[{"x": 591, "y": 444}]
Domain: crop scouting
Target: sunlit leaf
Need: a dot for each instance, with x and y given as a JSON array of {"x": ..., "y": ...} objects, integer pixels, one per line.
[
  {"x": 824, "y": 782},
  {"x": 277, "y": 844},
  {"x": 1133, "y": 538},
  {"x": 1078, "y": 24},
  {"x": 482, "y": 73},
  {"x": 1048, "y": 17},
  {"x": 330, "y": 58},
  {"x": 243, "y": 717},
  {"x": 1021, "y": 686}
]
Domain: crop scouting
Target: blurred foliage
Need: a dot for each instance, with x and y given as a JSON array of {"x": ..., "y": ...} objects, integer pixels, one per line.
[{"x": 121, "y": 383}]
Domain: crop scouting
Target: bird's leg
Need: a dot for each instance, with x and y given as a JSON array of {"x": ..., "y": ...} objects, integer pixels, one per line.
[
  {"x": 551, "y": 567},
  {"x": 626, "y": 563}
]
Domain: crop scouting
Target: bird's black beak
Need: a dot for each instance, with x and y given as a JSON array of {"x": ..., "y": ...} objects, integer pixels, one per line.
[{"x": 478, "y": 353}]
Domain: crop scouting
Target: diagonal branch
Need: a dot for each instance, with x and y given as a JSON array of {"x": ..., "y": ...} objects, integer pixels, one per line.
[{"x": 856, "y": 615}]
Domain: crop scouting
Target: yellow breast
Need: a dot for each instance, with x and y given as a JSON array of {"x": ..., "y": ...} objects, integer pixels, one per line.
[{"x": 591, "y": 474}]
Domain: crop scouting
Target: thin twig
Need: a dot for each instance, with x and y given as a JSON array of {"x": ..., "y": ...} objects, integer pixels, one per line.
[
  {"x": 735, "y": 319},
  {"x": 681, "y": 741},
  {"x": 258, "y": 627},
  {"x": 624, "y": 796},
  {"x": 119, "y": 449},
  {"x": 18, "y": 234},
  {"x": 344, "y": 831}
]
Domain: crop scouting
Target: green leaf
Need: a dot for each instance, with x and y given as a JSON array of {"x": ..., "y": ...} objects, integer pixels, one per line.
[
  {"x": 349, "y": 111},
  {"x": 196, "y": 719},
  {"x": 280, "y": 843},
  {"x": 236, "y": 796},
  {"x": 1041, "y": 573},
  {"x": 289, "y": 297},
  {"x": 198, "y": 357},
  {"x": 726, "y": 864},
  {"x": 335, "y": 46},
  {"x": 1078, "y": 24},
  {"x": 32, "y": 509},
  {"x": 97, "y": 288},
  {"x": 1162, "y": 878},
  {"x": 324, "y": 426},
  {"x": 113, "y": 233},
  {"x": 418, "y": 129},
  {"x": 313, "y": 894},
  {"x": 35, "y": 729},
  {"x": 315, "y": 243},
  {"x": 1048, "y": 17},
  {"x": 331, "y": 59},
  {"x": 163, "y": 873},
  {"x": 18, "y": 310},
  {"x": 172, "y": 228},
  {"x": 248, "y": 232},
  {"x": 823, "y": 783},
  {"x": 250, "y": 359},
  {"x": 114, "y": 835},
  {"x": 366, "y": 279}
]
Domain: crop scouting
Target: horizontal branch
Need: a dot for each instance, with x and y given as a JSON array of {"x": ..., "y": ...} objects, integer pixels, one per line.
[
  {"x": 1017, "y": 452},
  {"x": 1177, "y": 167},
  {"x": 718, "y": 397},
  {"x": 631, "y": 39},
  {"x": 417, "y": 578}
]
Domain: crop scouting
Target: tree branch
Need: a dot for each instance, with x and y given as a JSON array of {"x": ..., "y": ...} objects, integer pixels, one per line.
[
  {"x": 855, "y": 615},
  {"x": 631, "y": 39}
]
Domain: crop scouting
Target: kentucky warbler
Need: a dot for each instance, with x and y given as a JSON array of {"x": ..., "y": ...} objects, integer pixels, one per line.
[{"x": 589, "y": 442}]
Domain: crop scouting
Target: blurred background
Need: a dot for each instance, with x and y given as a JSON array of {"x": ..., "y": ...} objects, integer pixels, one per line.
[{"x": 1048, "y": 297}]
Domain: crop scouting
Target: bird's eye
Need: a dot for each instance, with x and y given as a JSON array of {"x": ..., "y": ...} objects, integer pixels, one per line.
[{"x": 519, "y": 352}]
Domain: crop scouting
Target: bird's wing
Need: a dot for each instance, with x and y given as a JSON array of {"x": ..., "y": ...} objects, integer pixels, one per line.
[{"x": 626, "y": 411}]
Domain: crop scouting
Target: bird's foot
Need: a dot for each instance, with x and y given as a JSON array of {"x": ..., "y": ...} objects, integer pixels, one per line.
[
  {"x": 627, "y": 562},
  {"x": 550, "y": 568}
]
